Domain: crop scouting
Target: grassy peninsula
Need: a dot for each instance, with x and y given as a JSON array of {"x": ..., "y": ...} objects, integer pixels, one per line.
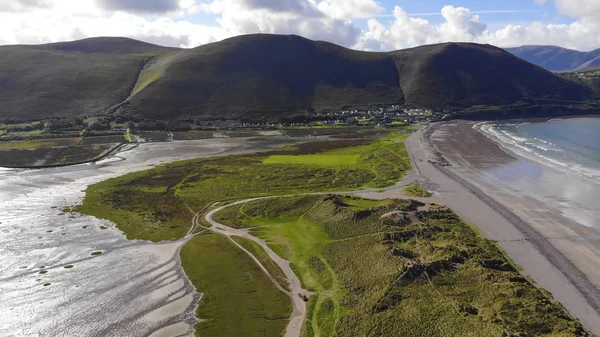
[
  {"x": 377, "y": 267},
  {"x": 159, "y": 204}
]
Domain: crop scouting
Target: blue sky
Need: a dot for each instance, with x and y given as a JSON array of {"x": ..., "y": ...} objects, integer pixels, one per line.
[
  {"x": 360, "y": 24},
  {"x": 496, "y": 13}
]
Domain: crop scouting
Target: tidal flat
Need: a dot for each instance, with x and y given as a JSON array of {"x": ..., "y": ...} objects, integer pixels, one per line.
[{"x": 134, "y": 288}]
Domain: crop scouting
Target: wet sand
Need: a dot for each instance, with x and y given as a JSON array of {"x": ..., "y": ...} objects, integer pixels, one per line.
[
  {"x": 134, "y": 288},
  {"x": 546, "y": 247}
]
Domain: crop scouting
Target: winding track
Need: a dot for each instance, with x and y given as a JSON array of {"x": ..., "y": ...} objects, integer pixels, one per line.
[{"x": 299, "y": 313}]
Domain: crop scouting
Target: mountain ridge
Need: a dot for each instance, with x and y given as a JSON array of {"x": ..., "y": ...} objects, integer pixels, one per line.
[
  {"x": 258, "y": 75},
  {"x": 558, "y": 59}
]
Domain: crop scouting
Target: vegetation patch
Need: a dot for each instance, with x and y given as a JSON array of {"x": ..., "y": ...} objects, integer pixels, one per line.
[
  {"x": 52, "y": 156},
  {"x": 436, "y": 277},
  {"x": 158, "y": 204},
  {"x": 261, "y": 255},
  {"x": 415, "y": 190},
  {"x": 96, "y": 253},
  {"x": 70, "y": 266},
  {"x": 239, "y": 299},
  {"x": 37, "y": 143},
  {"x": 315, "y": 159},
  {"x": 102, "y": 140}
]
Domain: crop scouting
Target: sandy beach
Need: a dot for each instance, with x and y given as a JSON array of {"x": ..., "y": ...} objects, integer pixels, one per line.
[{"x": 556, "y": 252}]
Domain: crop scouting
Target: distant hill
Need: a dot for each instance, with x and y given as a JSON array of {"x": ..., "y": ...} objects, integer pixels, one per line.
[
  {"x": 258, "y": 75},
  {"x": 558, "y": 59}
]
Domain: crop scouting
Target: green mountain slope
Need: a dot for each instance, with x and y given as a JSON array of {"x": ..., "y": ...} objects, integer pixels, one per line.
[
  {"x": 466, "y": 74},
  {"x": 258, "y": 75},
  {"x": 263, "y": 75},
  {"x": 80, "y": 78}
]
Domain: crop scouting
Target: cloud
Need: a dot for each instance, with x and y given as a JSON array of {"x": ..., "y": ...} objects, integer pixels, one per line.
[
  {"x": 42, "y": 21},
  {"x": 405, "y": 31},
  {"x": 300, "y": 7},
  {"x": 350, "y": 9},
  {"x": 300, "y": 17},
  {"x": 579, "y": 8},
  {"x": 22, "y": 5},
  {"x": 139, "y": 6}
]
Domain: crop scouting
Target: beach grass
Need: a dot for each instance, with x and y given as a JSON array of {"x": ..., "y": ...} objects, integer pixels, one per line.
[
  {"x": 238, "y": 298},
  {"x": 437, "y": 277},
  {"x": 415, "y": 190},
  {"x": 261, "y": 255},
  {"x": 158, "y": 204}
]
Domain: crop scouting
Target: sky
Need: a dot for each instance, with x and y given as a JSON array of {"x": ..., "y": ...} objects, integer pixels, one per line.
[{"x": 374, "y": 25}]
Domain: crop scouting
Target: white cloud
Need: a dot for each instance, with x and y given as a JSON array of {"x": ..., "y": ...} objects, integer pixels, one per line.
[
  {"x": 350, "y": 9},
  {"x": 41, "y": 21},
  {"x": 137, "y": 6},
  {"x": 580, "y": 8},
  {"x": 23, "y": 5}
]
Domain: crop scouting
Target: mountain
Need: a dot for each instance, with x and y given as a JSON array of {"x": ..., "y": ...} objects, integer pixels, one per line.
[
  {"x": 258, "y": 75},
  {"x": 558, "y": 59},
  {"x": 78, "y": 78}
]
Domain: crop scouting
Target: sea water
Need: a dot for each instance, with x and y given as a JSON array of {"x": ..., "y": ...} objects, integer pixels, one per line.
[{"x": 559, "y": 163}]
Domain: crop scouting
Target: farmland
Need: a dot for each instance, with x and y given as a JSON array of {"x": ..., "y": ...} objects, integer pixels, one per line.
[{"x": 376, "y": 276}]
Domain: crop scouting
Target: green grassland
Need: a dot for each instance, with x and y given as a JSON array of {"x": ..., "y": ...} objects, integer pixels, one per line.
[
  {"x": 377, "y": 277},
  {"x": 52, "y": 156},
  {"x": 158, "y": 204},
  {"x": 238, "y": 299},
  {"x": 415, "y": 190},
  {"x": 37, "y": 143},
  {"x": 315, "y": 159},
  {"x": 257, "y": 251}
]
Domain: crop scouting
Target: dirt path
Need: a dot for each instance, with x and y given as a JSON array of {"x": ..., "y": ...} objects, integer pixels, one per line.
[{"x": 298, "y": 315}]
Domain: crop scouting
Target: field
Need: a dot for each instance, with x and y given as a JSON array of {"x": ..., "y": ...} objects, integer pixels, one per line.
[
  {"x": 103, "y": 140},
  {"x": 257, "y": 251},
  {"x": 379, "y": 275},
  {"x": 37, "y": 143},
  {"x": 315, "y": 159},
  {"x": 158, "y": 204},
  {"x": 154, "y": 136},
  {"x": 52, "y": 156},
  {"x": 192, "y": 135},
  {"x": 239, "y": 299}
]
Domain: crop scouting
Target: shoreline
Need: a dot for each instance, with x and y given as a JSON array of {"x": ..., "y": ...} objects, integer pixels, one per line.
[{"x": 526, "y": 247}]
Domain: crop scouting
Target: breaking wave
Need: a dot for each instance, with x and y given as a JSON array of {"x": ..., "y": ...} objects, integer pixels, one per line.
[{"x": 512, "y": 138}]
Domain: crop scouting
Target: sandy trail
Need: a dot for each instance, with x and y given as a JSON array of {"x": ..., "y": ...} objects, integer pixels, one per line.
[
  {"x": 298, "y": 315},
  {"x": 527, "y": 248}
]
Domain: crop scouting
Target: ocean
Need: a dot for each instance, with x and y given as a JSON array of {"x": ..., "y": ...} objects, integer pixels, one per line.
[{"x": 559, "y": 164}]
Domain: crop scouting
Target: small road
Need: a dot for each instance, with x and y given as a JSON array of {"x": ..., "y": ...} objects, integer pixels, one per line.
[
  {"x": 299, "y": 312},
  {"x": 298, "y": 315}
]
